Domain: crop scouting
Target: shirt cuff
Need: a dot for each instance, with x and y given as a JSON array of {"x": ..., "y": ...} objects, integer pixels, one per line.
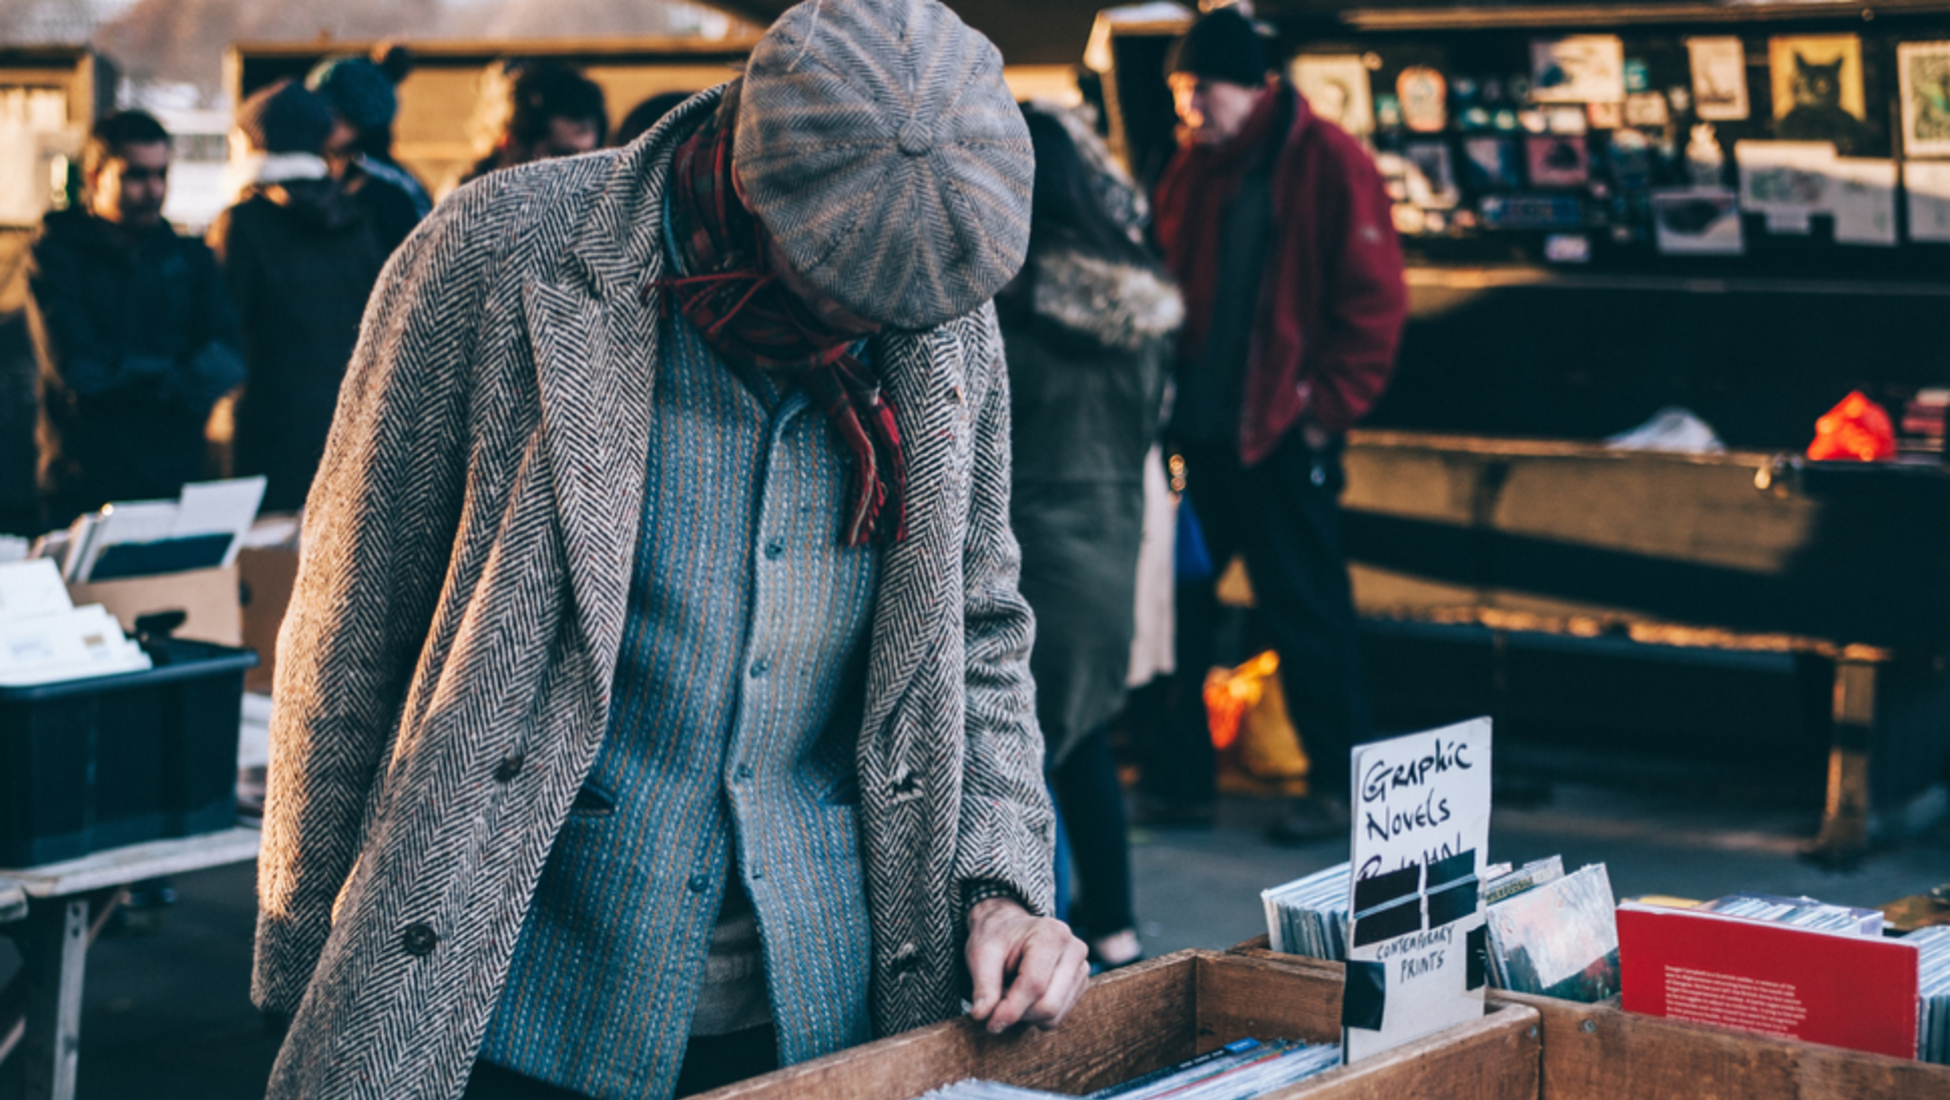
[{"x": 976, "y": 892}]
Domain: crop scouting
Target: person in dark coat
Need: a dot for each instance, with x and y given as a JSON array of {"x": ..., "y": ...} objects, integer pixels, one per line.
[
  {"x": 136, "y": 337},
  {"x": 1087, "y": 332},
  {"x": 535, "y": 110},
  {"x": 300, "y": 256},
  {"x": 364, "y": 102},
  {"x": 1279, "y": 230}
]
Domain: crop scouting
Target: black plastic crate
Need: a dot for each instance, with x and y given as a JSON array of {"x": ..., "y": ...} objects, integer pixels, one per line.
[{"x": 112, "y": 760}]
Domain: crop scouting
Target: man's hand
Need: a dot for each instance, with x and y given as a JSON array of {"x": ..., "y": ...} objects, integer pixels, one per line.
[{"x": 1043, "y": 966}]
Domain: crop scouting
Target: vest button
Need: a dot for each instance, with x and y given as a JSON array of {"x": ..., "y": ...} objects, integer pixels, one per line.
[
  {"x": 775, "y": 549},
  {"x": 419, "y": 940},
  {"x": 700, "y": 883},
  {"x": 744, "y": 771},
  {"x": 760, "y": 667},
  {"x": 509, "y": 767}
]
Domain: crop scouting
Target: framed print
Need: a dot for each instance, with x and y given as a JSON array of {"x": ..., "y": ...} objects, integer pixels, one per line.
[
  {"x": 1923, "y": 70},
  {"x": 1424, "y": 98},
  {"x": 1557, "y": 160},
  {"x": 1817, "y": 83},
  {"x": 1336, "y": 87},
  {"x": 1491, "y": 164},
  {"x": 1697, "y": 221},
  {"x": 1719, "y": 78},
  {"x": 1432, "y": 159},
  {"x": 1581, "y": 68}
]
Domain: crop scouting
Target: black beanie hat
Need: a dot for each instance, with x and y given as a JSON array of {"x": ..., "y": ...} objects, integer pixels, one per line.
[
  {"x": 1222, "y": 45},
  {"x": 285, "y": 118}
]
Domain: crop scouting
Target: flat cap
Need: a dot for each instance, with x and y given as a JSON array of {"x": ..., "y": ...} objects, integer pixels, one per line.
[{"x": 881, "y": 149}]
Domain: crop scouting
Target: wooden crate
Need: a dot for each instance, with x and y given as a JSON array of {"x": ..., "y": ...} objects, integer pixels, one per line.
[
  {"x": 1164, "y": 1011},
  {"x": 1601, "y": 1052}
]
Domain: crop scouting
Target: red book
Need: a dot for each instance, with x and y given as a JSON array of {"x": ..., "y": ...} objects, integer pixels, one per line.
[{"x": 1777, "y": 979}]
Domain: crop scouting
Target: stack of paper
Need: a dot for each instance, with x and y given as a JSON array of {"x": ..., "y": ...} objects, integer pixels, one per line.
[
  {"x": 199, "y": 530},
  {"x": 1933, "y": 989},
  {"x": 1309, "y": 916},
  {"x": 45, "y": 639}
]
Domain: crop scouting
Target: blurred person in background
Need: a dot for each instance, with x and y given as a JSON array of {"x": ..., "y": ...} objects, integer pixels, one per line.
[
  {"x": 1087, "y": 329},
  {"x": 535, "y": 110},
  {"x": 136, "y": 337},
  {"x": 364, "y": 102},
  {"x": 300, "y": 255},
  {"x": 1279, "y": 232},
  {"x": 647, "y": 114}
]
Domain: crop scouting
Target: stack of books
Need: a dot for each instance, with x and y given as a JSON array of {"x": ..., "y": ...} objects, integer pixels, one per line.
[
  {"x": 1553, "y": 934},
  {"x": 1240, "y": 1070},
  {"x": 1807, "y": 973},
  {"x": 1308, "y": 916},
  {"x": 1801, "y": 912},
  {"x": 1933, "y": 988}
]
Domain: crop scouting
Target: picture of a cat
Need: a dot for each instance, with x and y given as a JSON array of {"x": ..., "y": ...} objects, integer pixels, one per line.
[{"x": 1813, "y": 101}]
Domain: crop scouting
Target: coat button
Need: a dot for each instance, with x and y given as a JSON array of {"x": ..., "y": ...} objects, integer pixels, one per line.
[
  {"x": 509, "y": 767},
  {"x": 419, "y": 940},
  {"x": 775, "y": 549},
  {"x": 760, "y": 667},
  {"x": 700, "y": 883},
  {"x": 743, "y": 771}
]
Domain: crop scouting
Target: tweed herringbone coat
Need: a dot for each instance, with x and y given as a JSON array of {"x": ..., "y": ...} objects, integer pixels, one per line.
[{"x": 444, "y": 673}]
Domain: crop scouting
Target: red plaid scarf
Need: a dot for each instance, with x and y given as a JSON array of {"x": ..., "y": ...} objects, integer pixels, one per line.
[{"x": 747, "y": 315}]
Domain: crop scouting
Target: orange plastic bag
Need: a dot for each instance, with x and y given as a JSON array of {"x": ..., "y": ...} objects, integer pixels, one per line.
[
  {"x": 1246, "y": 711},
  {"x": 1857, "y": 429}
]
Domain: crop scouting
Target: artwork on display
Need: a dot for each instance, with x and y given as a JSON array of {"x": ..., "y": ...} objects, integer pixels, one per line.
[
  {"x": 1424, "y": 99},
  {"x": 1336, "y": 87},
  {"x": 1788, "y": 181},
  {"x": 1566, "y": 120},
  {"x": 1630, "y": 156},
  {"x": 1567, "y": 248},
  {"x": 1491, "y": 164},
  {"x": 1697, "y": 221},
  {"x": 1557, "y": 160},
  {"x": 1719, "y": 78},
  {"x": 1638, "y": 75},
  {"x": 1533, "y": 121},
  {"x": 1927, "y": 183},
  {"x": 1387, "y": 112},
  {"x": 1532, "y": 212},
  {"x": 1606, "y": 115},
  {"x": 1817, "y": 85},
  {"x": 1924, "y": 74},
  {"x": 1581, "y": 68},
  {"x": 1647, "y": 109},
  {"x": 1431, "y": 161},
  {"x": 1863, "y": 201}
]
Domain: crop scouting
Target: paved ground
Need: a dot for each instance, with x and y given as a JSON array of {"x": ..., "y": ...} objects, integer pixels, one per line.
[{"x": 168, "y": 1015}]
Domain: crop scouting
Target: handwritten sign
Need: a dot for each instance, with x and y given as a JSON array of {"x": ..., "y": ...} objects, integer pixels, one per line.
[{"x": 1421, "y": 841}]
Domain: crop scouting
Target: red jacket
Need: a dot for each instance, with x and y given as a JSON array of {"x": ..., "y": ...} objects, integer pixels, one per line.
[{"x": 1332, "y": 298}]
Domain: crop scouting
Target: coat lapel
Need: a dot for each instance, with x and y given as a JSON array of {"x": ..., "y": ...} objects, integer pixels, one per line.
[{"x": 594, "y": 336}]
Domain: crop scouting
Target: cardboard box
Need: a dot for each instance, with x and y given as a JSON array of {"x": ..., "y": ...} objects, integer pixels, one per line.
[
  {"x": 267, "y": 579},
  {"x": 208, "y": 596},
  {"x": 1158, "y": 1013},
  {"x": 1601, "y": 1052}
]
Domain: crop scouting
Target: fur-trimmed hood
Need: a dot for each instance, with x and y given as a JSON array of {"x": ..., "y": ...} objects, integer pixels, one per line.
[{"x": 1120, "y": 306}]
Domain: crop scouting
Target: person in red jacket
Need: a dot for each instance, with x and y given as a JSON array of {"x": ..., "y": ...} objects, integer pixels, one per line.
[{"x": 1278, "y": 229}]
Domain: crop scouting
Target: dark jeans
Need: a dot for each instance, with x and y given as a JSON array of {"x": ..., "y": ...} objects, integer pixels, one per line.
[
  {"x": 1091, "y": 801},
  {"x": 711, "y": 1061},
  {"x": 1284, "y": 516}
]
